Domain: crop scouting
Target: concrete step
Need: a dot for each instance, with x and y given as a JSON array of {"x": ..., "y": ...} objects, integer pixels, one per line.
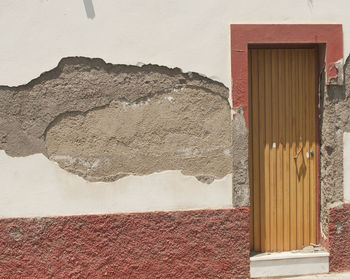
[
  {"x": 342, "y": 275},
  {"x": 289, "y": 264}
]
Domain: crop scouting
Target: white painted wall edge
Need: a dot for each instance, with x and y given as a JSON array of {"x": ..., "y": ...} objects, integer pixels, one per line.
[
  {"x": 35, "y": 186},
  {"x": 346, "y": 142}
]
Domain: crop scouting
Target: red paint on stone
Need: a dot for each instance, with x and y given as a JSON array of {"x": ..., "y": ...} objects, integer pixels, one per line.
[
  {"x": 339, "y": 239},
  {"x": 244, "y": 34},
  {"x": 324, "y": 242},
  {"x": 183, "y": 244}
]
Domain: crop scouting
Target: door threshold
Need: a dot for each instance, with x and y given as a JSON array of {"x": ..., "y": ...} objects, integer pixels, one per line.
[{"x": 289, "y": 263}]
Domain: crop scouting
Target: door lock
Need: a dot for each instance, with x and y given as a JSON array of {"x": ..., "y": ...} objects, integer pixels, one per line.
[{"x": 308, "y": 154}]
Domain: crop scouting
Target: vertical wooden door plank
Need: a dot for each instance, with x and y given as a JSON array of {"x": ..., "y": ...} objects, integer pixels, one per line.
[
  {"x": 267, "y": 146},
  {"x": 306, "y": 153},
  {"x": 313, "y": 135},
  {"x": 293, "y": 173},
  {"x": 280, "y": 145},
  {"x": 261, "y": 126},
  {"x": 299, "y": 159},
  {"x": 250, "y": 153},
  {"x": 255, "y": 108},
  {"x": 286, "y": 152},
  {"x": 273, "y": 155},
  {"x": 261, "y": 61}
]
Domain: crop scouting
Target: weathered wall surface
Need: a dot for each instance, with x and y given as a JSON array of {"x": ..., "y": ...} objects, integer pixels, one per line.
[
  {"x": 240, "y": 190},
  {"x": 68, "y": 116},
  {"x": 103, "y": 122},
  {"x": 194, "y": 37},
  {"x": 191, "y": 244},
  {"x": 334, "y": 121},
  {"x": 339, "y": 238}
]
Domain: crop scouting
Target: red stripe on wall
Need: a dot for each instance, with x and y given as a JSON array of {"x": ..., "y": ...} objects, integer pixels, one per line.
[
  {"x": 182, "y": 244},
  {"x": 339, "y": 239}
]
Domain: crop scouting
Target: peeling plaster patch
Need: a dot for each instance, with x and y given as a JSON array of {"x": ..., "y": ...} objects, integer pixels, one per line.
[
  {"x": 104, "y": 121},
  {"x": 15, "y": 233},
  {"x": 339, "y": 66},
  {"x": 205, "y": 179},
  {"x": 336, "y": 205},
  {"x": 169, "y": 98},
  {"x": 192, "y": 134},
  {"x": 69, "y": 160},
  {"x": 338, "y": 227}
]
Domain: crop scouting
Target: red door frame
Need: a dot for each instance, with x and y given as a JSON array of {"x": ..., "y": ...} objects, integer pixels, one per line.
[{"x": 329, "y": 36}]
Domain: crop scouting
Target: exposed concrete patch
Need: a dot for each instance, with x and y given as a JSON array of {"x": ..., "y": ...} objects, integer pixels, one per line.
[
  {"x": 334, "y": 121},
  {"x": 240, "y": 190},
  {"x": 15, "y": 233},
  {"x": 104, "y": 121},
  {"x": 205, "y": 179},
  {"x": 188, "y": 130}
]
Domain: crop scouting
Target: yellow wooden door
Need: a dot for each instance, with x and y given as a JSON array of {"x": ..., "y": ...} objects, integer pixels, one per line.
[{"x": 282, "y": 148}]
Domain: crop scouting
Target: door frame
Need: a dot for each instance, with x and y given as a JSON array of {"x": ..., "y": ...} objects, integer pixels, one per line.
[{"x": 328, "y": 38}]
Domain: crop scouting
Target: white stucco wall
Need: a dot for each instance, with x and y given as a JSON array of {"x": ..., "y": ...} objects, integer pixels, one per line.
[
  {"x": 34, "y": 186},
  {"x": 347, "y": 167},
  {"x": 192, "y": 35}
]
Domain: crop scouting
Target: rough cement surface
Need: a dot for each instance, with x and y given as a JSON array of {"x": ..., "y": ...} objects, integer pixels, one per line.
[
  {"x": 179, "y": 130},
  {"x": 104, "y": 121},
  {"x": 334, "y": 121},
  {"x": 184, "y": 244},
  {"x": 240, "y": 193}
]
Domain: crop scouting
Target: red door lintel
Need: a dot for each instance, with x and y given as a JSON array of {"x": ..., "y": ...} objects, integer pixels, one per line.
[{"x": 242, "y": 35}]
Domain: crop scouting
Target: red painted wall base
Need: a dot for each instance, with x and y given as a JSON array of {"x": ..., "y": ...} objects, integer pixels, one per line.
[
  {"x": 183, "y": 244},
  {"x": 339, "y": 239}
]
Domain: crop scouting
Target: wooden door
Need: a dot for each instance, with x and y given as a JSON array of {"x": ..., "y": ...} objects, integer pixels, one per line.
[{"x": 282, "y": 148}]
